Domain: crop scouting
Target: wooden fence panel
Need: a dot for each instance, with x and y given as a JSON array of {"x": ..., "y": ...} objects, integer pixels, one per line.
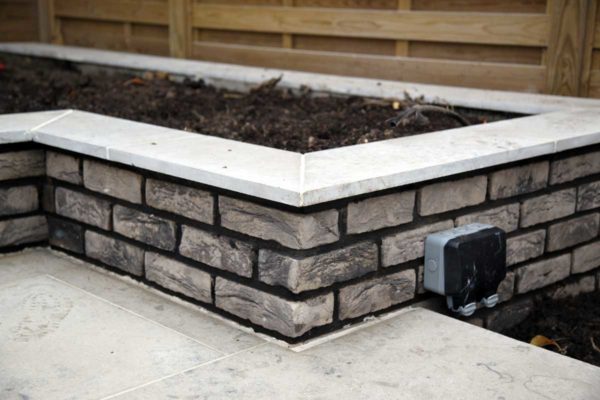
[
  {"x": 546, "y": 46},
  {"x": 18, "y": 21}
]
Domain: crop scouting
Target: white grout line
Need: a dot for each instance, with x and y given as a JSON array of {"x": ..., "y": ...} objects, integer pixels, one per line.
[
  {"x": 51, "y": 120},
  {"x": 112, "y": 396},
  {"x": 134, "y": 313}
]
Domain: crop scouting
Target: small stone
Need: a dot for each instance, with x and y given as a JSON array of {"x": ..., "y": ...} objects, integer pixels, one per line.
[
  {"x": 380, "y": 212},
  {"x": 83, "y": 208},
  {"x": 293, "y": 230},
  {"x": 217, "y": 251},
  {"x": 409, "y": 245},
  {"x": 543, "y": 273},
  {"x": 63, "y": 167},
  {"x": 290, "y": 318},
  {"x": 25, "y": 230},
  {"x": 183, "y": 200},
  {"x": 178, "y": 277},
  {"x": 147, "y": 228},
  {"x": 525, "y": 247},
  {"x": 66, "y": 235},
  {"x": 112, "y": 181},
  {"x": 571, "y": 168},
  {"x": 573, "y": 231},
  {"x": 299, "y": 274},
  {"x": 453, "y": 195},
  {"x": 586, "y": 258},
  {"x": 518, "y": 180},
  {"x": 504, "y": 217},
  {"x": 18, "y": 200},
  {"x": 22, "y": 164},
  {"x": 548, "y": 207},
  {"x": 588, "y": 196},
  {"x": 115, "y": 253},
  {"x": 376, "y": 294}
]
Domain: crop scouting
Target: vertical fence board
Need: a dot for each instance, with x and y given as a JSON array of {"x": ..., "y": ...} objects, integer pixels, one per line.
[
  {"x": 570, "y": 46},
  {"x": 179, "y": 28}
]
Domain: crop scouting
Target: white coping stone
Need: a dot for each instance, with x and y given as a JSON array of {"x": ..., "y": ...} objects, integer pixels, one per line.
[
  {"x": 304, "y": 179},
  {"x": 17, "y": 128}
]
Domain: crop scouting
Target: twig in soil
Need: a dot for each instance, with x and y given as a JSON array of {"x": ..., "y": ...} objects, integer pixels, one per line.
[
  {"x": 269, "y": 85},
  {"x": 594, "y": 346},
  {"x": 415, "y": 112}
]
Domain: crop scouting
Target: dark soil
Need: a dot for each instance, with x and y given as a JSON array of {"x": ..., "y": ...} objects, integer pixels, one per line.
[
  {"x": 574, "y": 323},
  {"x": 266, "y": 115}
]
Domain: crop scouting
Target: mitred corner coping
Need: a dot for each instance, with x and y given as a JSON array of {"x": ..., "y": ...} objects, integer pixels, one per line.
[{"x": 296, "y": 179}]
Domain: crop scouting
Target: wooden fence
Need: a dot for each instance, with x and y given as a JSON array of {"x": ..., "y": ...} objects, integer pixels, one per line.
[{"x": 546, "y": 46}]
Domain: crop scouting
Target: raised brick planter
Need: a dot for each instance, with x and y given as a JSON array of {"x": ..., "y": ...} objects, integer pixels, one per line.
[{"x": 275, "y": 257}]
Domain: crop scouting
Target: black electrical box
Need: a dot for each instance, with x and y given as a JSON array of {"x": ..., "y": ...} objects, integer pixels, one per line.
[{"x": 466, "y": 264}]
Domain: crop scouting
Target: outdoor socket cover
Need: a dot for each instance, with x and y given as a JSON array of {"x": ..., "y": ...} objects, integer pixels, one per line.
[{"x": 466, "y": 264}]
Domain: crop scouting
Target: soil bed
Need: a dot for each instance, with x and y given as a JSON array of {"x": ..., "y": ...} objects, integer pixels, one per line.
[
  {"x": 574, "y": 323},
  {"x": 267, "y": 115}
]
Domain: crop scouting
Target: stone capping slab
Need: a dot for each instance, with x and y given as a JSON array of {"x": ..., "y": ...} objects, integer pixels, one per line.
[{"x": 303, "y": 179}]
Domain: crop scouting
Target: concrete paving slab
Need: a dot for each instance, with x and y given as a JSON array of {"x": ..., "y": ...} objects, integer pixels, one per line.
[
  {"x": 69, "y": 330},
  {"x": 418, "y": 355},
  {"x": 129, "y": 294},
  {"x": 57, "y": 341}
]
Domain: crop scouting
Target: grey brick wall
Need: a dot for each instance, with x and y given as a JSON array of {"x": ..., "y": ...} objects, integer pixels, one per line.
[{"x": 294, "y": 272}]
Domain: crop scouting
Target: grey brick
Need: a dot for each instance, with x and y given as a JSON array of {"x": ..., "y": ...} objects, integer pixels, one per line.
[
  {"x": 586, "y": 258},
  {"x": 548, "y": 207},
  {"x": 588, "y": 196},
  {"x": 147, "y": 228},
  {"x": 299, "y": 274},
  {"x": 573, "y": 231},
  {"x": 518, "y": 180},
  {"x": 506, "y": 288},
  {"x": 178, "y": 277},
  {"x": 112, "y": 181},
  {"x": 543, "y": 273},
  {"x": 23, "y": 230},
  {"x": 217, "y": 251},
  {"x": 115, "y": 253},
  {"x": 293, "y": 230},
  {"x": 48, "y": 198},
  {"x": 63, "y": 167},
  {"x": 376, "y": 294},
  {"x": 22, "y": 164},
  {"x": 582, "y": 285},
  {"x": 18, "y": 200},
  {"x": 504, "y": 217},
  {"x": 183, "y": 200},
  {"x": 381, "y": 212},
  {"x": 525, "y": 247},
  {"x": 409, "y": 244},
  {"x": 66, "y": 235},
  {"x": 447, "y": 196},
  {"x": 571, "y": 168},
  {"x": 83, "y": 207},
  {"x": 509, "y": 314},
  {"x": 290, "y": 318}
]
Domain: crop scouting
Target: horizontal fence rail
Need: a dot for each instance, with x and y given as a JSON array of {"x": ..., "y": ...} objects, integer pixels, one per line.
[{"x": 543, "y": 46}]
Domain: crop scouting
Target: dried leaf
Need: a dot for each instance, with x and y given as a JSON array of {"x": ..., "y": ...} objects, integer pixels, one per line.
[
  {"x": 543, "y": 341},
  {"x": 134, "y": 81}
]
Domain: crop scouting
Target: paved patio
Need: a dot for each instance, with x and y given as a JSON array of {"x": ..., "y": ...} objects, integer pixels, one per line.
[{"x": 71, "y": 331}]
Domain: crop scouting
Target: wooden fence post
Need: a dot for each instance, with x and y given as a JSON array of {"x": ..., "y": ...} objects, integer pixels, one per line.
[
  {"x": 569, "y": 53},
  {"x": 46, "y": 22},
  {"x": 180, "y": 28}
]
